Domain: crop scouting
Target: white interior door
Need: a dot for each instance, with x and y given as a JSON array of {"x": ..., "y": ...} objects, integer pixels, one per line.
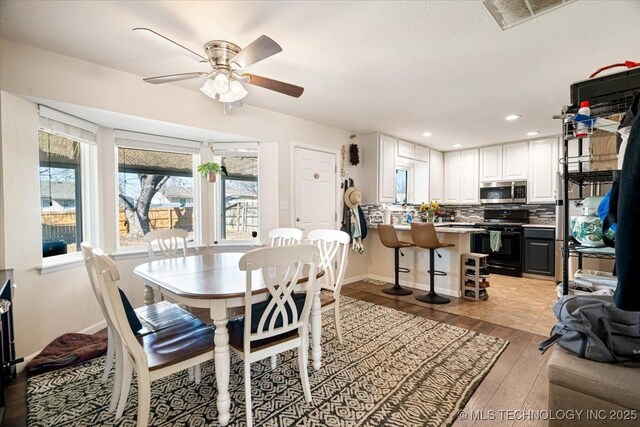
[{"x": 314, "y": 189}]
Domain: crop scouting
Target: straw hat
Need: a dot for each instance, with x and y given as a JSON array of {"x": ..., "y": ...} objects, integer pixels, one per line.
[{"x": 352, "y": 197}]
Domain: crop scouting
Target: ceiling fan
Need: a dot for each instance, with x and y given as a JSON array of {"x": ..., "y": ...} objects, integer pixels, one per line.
[{"x": 227, "y": 60}]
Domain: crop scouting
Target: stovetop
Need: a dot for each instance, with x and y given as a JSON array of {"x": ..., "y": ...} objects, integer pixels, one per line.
[{"x": 500, "y": 224}]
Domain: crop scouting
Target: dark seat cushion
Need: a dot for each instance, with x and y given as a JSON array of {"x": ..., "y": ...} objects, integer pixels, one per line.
[
  {"x": 177, "y": 343},
  {"x": 236, "y": 326},
  {"x": 132, "y": 317}
]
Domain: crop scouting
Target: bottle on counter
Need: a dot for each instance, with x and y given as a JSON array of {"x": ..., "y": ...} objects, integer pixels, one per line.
[
  {"x": 409, "y": 217},
  {"x": 582, "y": 128}
]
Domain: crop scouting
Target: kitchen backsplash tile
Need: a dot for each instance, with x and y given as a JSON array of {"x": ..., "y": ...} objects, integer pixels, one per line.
[{"x": 538, "y": 214}]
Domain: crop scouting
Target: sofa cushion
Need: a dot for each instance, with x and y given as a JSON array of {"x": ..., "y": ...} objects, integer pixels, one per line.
[{"x": 607, "y": 381}]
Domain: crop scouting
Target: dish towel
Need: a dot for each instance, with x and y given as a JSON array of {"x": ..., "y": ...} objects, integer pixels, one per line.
[{"x": 495, "y": 240}]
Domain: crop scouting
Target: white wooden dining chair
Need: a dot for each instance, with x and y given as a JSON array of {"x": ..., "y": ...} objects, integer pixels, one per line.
[
  {"x": 170, "y": 316},
  {"x": 281, "y": 322},
  {"x": 172, "y": 243},
  {"x": 285, "y": 236},
  {"x": 155, "y": 355},
  {"x": 113, "y": 341},
  {"x": 334, "y": 250}
]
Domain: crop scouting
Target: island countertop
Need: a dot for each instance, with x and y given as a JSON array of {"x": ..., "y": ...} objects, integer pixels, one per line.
[{"x": 439, "y": 229}]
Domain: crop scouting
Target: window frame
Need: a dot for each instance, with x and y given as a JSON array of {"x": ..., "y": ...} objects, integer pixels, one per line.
[
  {"x": 86, "y": 190},
  {"x": 233, "y": 149},
  {"x": 136, "y": 141}
]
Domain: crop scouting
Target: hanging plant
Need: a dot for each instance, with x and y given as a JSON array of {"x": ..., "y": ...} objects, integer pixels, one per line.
[
  {"x": 354, "y": 152},
  {"x": 211, "y": 170}
]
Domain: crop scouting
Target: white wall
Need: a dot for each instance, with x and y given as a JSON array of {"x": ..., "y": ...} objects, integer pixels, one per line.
[{"x": 48, "y": 305}]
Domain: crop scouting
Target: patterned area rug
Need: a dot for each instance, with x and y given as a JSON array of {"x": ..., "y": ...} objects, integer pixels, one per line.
[{"x": 395, "y": 369}]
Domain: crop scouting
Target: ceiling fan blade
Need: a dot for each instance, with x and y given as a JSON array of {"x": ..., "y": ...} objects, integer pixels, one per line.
[
  {"x": 174, "y": 77},
  {"x": 159, "y": 38},
  {"x": 278, "y": 86},
  {"x": 261, "y": 48}
]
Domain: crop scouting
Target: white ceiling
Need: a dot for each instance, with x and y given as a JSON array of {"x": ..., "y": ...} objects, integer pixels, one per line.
[{"x": 397, "y": 67}]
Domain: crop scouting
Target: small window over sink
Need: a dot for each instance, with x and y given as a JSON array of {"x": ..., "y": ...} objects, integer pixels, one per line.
[{"x": 402, "y": 186}]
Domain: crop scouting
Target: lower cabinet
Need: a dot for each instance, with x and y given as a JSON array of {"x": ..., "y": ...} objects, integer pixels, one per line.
[{"x": 539, "y": 251}]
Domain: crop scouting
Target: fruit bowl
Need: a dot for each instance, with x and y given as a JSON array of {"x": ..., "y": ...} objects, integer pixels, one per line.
[{"x": 587, "y": 230}]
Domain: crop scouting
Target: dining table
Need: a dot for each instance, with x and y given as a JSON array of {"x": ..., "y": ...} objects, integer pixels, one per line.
[{"x": 213, "y": 280}]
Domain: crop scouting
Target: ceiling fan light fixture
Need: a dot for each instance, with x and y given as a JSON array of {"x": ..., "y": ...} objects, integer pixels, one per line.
[
  {"x": 237, "y": 91},
  {"x": 221, "y": 84},
  {"x": 209, "y": 89}
]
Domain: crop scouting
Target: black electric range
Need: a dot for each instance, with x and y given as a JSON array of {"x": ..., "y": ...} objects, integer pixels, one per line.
[{"x": 508, "y": 260}]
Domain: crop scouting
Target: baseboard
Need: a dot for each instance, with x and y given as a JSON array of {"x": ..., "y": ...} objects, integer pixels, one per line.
[
  {"x": 412, "y": 285},
  {"x": 97, "y": 327},
  {"x": 354, "y": 279}
]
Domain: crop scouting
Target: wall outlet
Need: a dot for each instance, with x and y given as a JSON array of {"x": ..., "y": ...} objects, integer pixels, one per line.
[{"x": 284, "y": 205}]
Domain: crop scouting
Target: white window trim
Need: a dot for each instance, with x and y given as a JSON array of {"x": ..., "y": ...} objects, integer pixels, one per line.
[
  {"x": 157, "y": 143},
  {"x": 231, "y": 149},
  {"x": 89, "y": 194},
  {"x": 68, "y": 119}
]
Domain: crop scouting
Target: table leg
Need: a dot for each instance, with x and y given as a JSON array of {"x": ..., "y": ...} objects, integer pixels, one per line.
[
  {"x": 149, "y": 295},
  {"x": 316, "y": 329},
  {"x": 222, "y": 360}
]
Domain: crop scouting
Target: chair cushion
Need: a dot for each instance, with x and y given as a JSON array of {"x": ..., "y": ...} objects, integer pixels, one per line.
[
  {"x": 177, "y": 343},
  {"x": 236, "y": 326},
  {"x": 132, "y": 317}
]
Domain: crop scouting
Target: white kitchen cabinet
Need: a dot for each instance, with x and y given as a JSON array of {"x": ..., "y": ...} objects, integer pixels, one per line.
[
  {"x": 378, "y": 162},
  {"x": 515, "y": 161},
  {"x": 387, "y": 169},
  {"x": 421, "y": 153},
  {"x": 420, "y": 182},
  {"x": 469, "y": 187},
  {"x": 436, "y": 176},
  {"x": 452, "y": 177},
  {"x": 406, "y": 149},
  {"x": 491, "y": 164},
  {"x": 543, "y": 167}
]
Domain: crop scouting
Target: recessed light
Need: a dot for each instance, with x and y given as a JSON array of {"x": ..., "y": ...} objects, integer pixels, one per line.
[
  {"x": 512, "y": 117},
  {"x": 457, "y": 145},
  {"x": 533, "y": 133},
  {"x": 426, "y": 134}
]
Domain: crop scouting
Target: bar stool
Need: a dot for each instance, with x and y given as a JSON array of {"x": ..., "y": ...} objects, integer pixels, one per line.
[
  {"x": 424, "y": 236},
  {"x": 389, "y": 238}
]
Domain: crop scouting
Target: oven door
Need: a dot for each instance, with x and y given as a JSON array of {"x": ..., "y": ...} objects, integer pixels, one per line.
[
  {"x": 496, "y": 193},
  {"x": 508, "y": 260}
]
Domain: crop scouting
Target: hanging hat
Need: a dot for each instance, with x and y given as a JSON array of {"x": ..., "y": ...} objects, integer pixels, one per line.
[{"x": 352, "y": 197}]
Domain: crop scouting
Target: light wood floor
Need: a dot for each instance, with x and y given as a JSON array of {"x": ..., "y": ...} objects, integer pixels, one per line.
[
  {"x": 517, "y": 381},
  {"x": 517, "y": 302}
]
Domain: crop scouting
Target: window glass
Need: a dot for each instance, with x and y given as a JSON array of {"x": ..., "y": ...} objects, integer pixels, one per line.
[
  {"x": 155, "y": 191},
  {"x": 401, "y": 186},
  {"x": 60, "y": 194},
  {"x": 239, "y": 198}
]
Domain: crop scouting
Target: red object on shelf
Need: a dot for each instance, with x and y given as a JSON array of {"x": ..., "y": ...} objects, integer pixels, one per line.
[{"x": 628, "y": 64}]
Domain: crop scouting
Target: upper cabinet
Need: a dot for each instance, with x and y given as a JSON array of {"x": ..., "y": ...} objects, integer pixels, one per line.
[
  {"x": 378, "y": 161},
  {"x": 543, "y": 168},
  {"x": 406, "y": 149},
  {"x": 461, "y": 185},
  {"x": 515, "y": 161},
  {"x": 469, "y": 186},
  {"x": 436, "y": 176},
  {"x": 508, "y": 162},
  {"x": 491, "y": 164},
  {"x": 421, "y": 153},
  {"x": 452, "y": 177},
  {"x": 387, "y": 169}
]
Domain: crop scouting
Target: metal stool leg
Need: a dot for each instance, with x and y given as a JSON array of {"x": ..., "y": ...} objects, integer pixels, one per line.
[
  {"x": 396, "y": 289},
  {"x": 432, "y": 297}
]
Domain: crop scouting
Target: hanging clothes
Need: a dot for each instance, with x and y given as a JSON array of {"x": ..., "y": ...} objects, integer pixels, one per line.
[{"x": 627, "y": 243}]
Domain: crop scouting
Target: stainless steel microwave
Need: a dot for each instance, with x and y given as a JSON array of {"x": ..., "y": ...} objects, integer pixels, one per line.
[{"x": 503, "y": 192}]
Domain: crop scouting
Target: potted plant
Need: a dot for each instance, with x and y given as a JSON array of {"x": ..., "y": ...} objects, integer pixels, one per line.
[{"x": 211, "y": 170}]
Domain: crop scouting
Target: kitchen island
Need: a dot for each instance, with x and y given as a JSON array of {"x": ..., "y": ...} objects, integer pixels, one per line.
[{"x": 380, "y": 258}]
